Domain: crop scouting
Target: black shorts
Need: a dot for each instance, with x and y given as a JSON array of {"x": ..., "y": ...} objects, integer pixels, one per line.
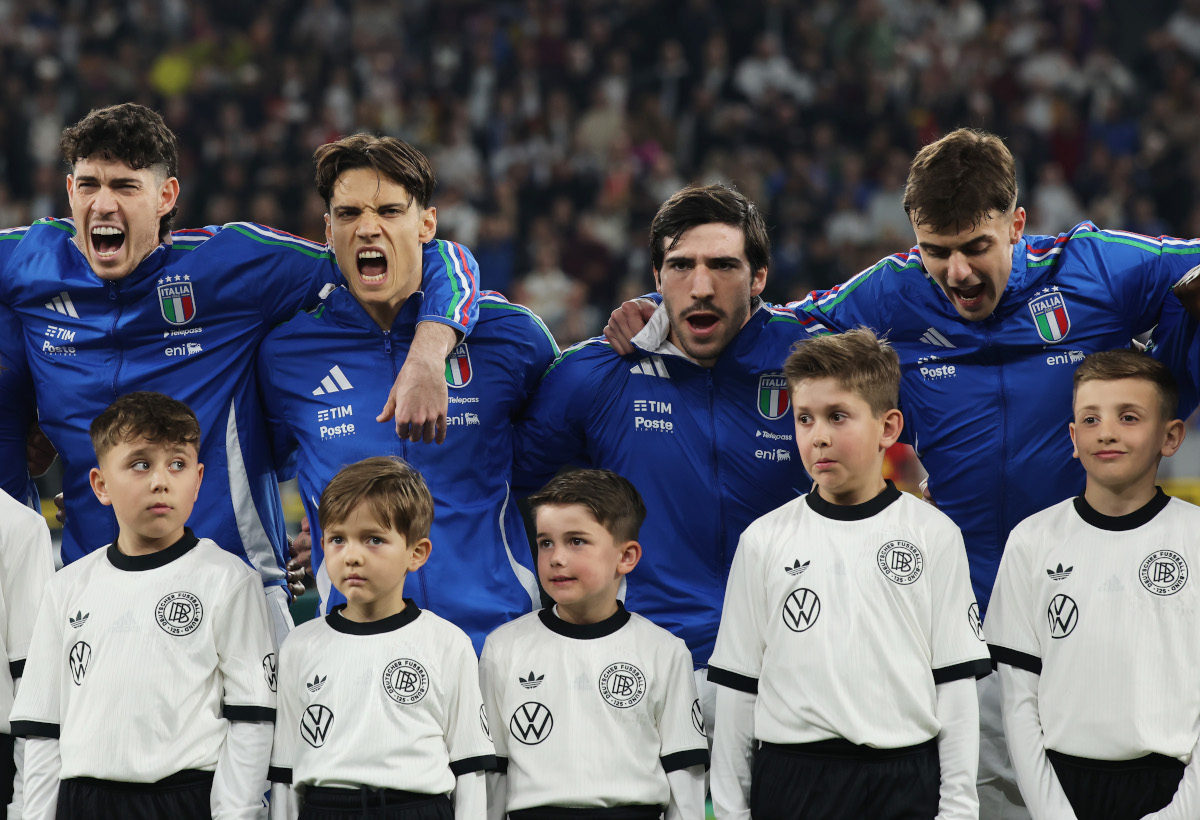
[
  {"x": 185, "y": 795},
  {"x": 837, "y": 780},
  {"x": 8, "y": 769},
  {"x": 606, "y": 813},
  {"x": 1117, "y": 789},
  {"x": 324, "y": 803}
]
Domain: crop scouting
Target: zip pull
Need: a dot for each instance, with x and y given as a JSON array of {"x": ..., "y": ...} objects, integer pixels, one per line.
[
  {"x": 112, "y": 291},
  {"x": 387, "y": 341}
]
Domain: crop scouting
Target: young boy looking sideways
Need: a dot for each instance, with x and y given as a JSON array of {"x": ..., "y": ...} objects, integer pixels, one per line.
[
  {"x": 850, "y": 639},
  {"x": 595, "y": 707},
  {"x": 1093, "y": 620},
  {"x": 148, "y": 690},
  {"x": 380, "y": 712}
]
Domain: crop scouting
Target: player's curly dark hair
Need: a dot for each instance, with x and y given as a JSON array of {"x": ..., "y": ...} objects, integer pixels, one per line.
[
  {"x": 129, "y": 133},
  {"x": 960, "y": 180},
  {"x": 702, "y": 205},
  {"x": 155, "y": 417},
  {"x": 388, "y": 157}
]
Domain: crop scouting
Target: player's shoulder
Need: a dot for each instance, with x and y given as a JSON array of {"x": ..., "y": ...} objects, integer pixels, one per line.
[
  {"x": 499, "y": 642},
  {"x": 500, "y": 318},
  {"x": 250, "y": 235},
  {"x": 305, "y": 635},
  {"x": 19, "y": 524},
  {"x": 1057, "y": 518},
  {"x": 780, "y": 521},
  {"x": 221, "y": 563},
  {"x": 443, "y": 632},
  {"x": 650, "y": 634},
  {"x": 587, "y": 357}
]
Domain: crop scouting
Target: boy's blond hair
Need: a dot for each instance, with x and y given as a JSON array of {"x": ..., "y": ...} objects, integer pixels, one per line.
[
  {"x": 393, "y": 491},
  {"x": 858, "y": 360},
  {"x": 611, "y": 499},
  {"x": 1111, "y": 365},
  {"x": 159, "y": 419}
]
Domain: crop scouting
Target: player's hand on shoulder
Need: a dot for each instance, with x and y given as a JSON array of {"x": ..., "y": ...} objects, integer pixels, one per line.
[
  {"x": 60, "y": 511},
  {"x": 39, "y": 452},
  {"x": 1187, "y": 289},
  {"x": 626, "y": 322}
]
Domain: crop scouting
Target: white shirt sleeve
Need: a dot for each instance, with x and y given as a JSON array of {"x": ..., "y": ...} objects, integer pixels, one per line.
[
  {"x": 732, "y": 753},
  {"x": 285, "y": 805},
  {"x": 470, "y": 796},
  {"x": 42, "y": 768},
  {"x": 241, "y": 775},
  {"x": 1039, "y": 784},
  {"x": 958, "y": 749},
  {"x": 687, "y": 794}
]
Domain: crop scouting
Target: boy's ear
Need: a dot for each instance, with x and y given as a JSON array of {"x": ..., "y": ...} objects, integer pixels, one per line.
[
  {"x": 1176, "y": 430},
  {"x": 96, "y": 479},
  {"x": 893, "y": 423},
  {"x": 1074, "y": 444},
  {"x": 631, "y": 553},
  {"x": 420, "y": 554},
  {"x": 199, "y": 480}
]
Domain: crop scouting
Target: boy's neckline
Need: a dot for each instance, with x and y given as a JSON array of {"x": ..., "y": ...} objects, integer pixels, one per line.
[
  {"x": 1120, "y": 523},
  {"x": 585, "y": 632},
  {"x": 152, "y": 560},
  {"x": 853, "y": 512},
  {"x": 340, "y": 623}
]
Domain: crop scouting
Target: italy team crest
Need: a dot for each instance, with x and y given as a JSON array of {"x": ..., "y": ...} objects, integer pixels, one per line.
[
  {"x": 177, "y": 301},
  {"x": 1050, "y": 315},
  {"x": 773, "y": 400},
  {"x": 458, "y": 367}
]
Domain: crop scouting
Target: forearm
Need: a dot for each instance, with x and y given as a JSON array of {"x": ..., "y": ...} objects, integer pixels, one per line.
[
  {"x": 732, "y": 753},
  {"x": 433, "y": 342},
  {"x": 470, "y": 797},
  {"x": 240, "y": 779},
  {"x": 958, "y": 749},
  {"x": 687, "y": 794},
  {"x": 1039, "y": 784}
]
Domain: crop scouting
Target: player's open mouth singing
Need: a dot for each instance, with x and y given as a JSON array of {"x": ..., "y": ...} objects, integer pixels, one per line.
[{"x": 107, "y": 241}]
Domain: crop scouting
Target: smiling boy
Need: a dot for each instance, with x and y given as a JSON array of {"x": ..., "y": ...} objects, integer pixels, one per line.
[
  {"x": 149, "y": 686},
  {"x": 1093, "y": 619},
  {"x": 850, "y": 640},
  {"x": 379, "y": 704},
  {"x": 595, "y": 707}
]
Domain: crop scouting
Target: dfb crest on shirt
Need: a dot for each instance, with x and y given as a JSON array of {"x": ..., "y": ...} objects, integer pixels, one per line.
[
  {"x": 1164, "y": 572},
  {"x": 801, "y": 609},
  {"x": 177, "y": 301},
  {"x": 315, "y": 724},
  {"x": 974, "y": 620},
  {"x": 458, "y": 367},
  {"x": 81, "y": 655},
  {"x": 622, "y": 685},
  {"x": 268, "y": 665},
  {"x": 698, "y": 718},
  {"x": 1050, "y": 316},
  {"x": 1063, "y": 615},
  {"x": 405, "y": 681},
  {"x": 773, "y": 400},
  {"x": 179, "y": 613},
  {"x": 483, "y": 721},
  {"x": 531, "y": 723},
  {"x": 900, "y": 561}
]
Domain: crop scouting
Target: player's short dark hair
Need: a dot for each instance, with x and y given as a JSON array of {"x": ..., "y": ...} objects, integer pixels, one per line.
[
  {"x": 858, "y": 360},
  {"x": 390, "y": 158},
  {"x": 703, "y": 205},
  {"x": 611, "y": 499},
  {"x": 395, "y": 494},
  {"x": 960, "y": 180},
  {"x": 157, "y": 418},
  {"x": 1110, "y": 365},
  {"x": 128, "y": 133}
]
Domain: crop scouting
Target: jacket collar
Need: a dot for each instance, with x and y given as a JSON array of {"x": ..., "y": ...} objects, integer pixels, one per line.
[{"x": 652, "y": 339}]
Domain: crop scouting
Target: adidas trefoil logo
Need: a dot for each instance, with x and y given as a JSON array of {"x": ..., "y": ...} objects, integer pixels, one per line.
[
  {"x": 532, "y": 681},
  {"x": 335, "y": 382},
  {"x": 317, "y": 683},
  {"x": 797, "y": 567},
  {"x": 1058, "y": 573},
  {"x": 932, "y": 337},
  {"x": 79, "y": 620}
]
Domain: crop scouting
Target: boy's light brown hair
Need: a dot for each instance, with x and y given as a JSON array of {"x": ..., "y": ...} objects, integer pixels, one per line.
[
  {"x": 611, "y": 499},
  {"x": 1111, "y": 365},
  {"x": 960, "y": 180},
  {"x": 395, "y": 495},
  {"x": 390, "y": 158},
  {"x": 858, "y": 360},
  {"x": 157, "y": 418}
]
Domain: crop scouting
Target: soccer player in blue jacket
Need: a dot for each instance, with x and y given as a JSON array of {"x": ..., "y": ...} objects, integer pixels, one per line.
[
  {"x": 17, "y": 411},
  {"x": 111, "y": 301},
  {"x": 319, "y": 373},
  {"x": 698, "y": 418}
]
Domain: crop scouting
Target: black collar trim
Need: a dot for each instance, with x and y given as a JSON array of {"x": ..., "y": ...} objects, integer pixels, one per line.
[
  {"x": 340, "y": 623},
  {"x": 584, "y": 632},
  {"x": 154, "y": 560},
  {"x": 853, "y": 512},
  {"x": 1121, "y": 523}
]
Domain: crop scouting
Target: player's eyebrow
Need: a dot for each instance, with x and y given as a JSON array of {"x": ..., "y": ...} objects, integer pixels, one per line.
[{"x": 974, "y": 243}]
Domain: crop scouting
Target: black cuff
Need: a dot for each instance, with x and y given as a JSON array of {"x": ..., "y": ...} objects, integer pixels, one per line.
[
  {"x": 279, "y": 774},
  {"x": 502, "y": 764},
  {"x": 250, "y": 714},
  {"x": 16, "y": 668},
  {"x": 483, "y": 763},
  {"x": 685, "y": 760},
  {"x": 732, "y": 680},
  {"x": 1018, "y": 660},
  {"x": 971, "y": 669},
  {"x": 32, "y": 728}
]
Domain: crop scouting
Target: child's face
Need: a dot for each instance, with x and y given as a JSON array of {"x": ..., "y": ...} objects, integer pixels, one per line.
[
  {"x": 151, "y": 488},
  {"x": 580, "y": 564},
  {"x": 367, "y": 562},
  {"x": 1119, "y": 432},
  {"x": 841, "y": 442}
]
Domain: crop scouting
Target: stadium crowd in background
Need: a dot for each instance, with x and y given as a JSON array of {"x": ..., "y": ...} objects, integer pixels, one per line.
[{"x": 558, "y": 127}]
